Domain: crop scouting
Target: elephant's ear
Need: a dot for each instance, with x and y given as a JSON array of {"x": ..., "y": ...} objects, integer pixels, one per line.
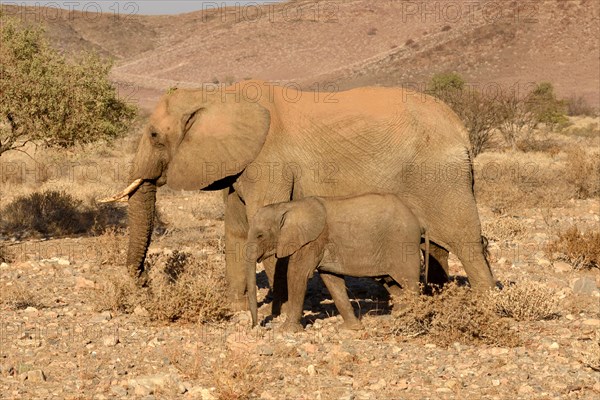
[
  {"x": 301, "y": 223},
  {"x": 220, "y": 136}
]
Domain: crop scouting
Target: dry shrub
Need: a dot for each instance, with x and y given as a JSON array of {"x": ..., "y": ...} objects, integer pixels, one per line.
[
  {"x": 508, "y": 184},
  {"x": 118, "y": 292},
  {"x": 591, "y": 130},
  {"x": 6, "y": 254},
  {"x": 54, "y": 213},
  {"x": 504, "y": 227},
  {"x": 526, "y": 301},
  {"x": 582, "y": 250},
  {"x": 184, "y": 287},
  {"x": 454, "y": 314},
  {"x": 181, "y": 288},
  {"x": 578, "y": 105},
  {"x": 18, "y": 297},
  {"x": 533, "y": 144},
  {"x": 583, "y": 171},
  {"x": 238, "y": 377},
  {"x": 112, "y": 246}
]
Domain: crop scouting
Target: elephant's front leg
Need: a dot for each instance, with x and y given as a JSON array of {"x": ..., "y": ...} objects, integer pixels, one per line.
[
  {"x": 236, "y": 232},
  {"x": 300, "y": 269},
  {"x": 277, "y": 272}
]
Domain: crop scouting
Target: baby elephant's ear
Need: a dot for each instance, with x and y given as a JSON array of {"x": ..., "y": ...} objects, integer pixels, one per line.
[{"x": 301, "y": 222}]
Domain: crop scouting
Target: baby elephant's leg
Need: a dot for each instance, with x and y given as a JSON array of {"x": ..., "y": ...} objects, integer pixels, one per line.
[
  {"x": 299, "y": 271},
  {"x": 337, "y": 288}
]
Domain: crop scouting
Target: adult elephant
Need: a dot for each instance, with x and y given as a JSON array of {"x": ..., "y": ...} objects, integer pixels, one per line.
[{"x": 265, "y": 144}]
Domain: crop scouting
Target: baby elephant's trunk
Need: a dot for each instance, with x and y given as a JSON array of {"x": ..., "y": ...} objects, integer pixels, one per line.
[{"x": 251, "y": 289}]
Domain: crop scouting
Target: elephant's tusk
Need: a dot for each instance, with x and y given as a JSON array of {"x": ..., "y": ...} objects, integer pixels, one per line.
[{"x": 122, "y": 196}]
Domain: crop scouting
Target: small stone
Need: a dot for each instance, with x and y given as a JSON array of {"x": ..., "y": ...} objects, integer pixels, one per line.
[
  {"x": 451, "y": 383},
  {"x": 525, "y": 389},
  {"x": 430, "y": 346},
  {"x": 501, "y": 261},
  {"x": 119, "y": 391},
  {"x": 309, "y": 348},
  {"x": 266, "y": 396},
  {"x": 36, "y": 375},
  {"x": 585, "y": 285},
  {"x": 495, "y": 382},
  {"x": 402, "y": 384},
  {"x": 497, "y": 351},
  {"x": 102, "y": 317},
  {"x": 63, "y": 261},
  {"x": 31, "y": 310},
  {"x": 381, "y": 384},
  {"x": 142, "y": 390},
  {"x": 83, "y": 283},
  {"x": 311, "y": 370},
  {"x": 4, "y": 265},
  {"x": 266, "y": 350},
  {"x": 140, "y": 311},
  {"x": 110, "y": 340},
  {"x": 554, "y": 346},
  {"x": 561, "y": 266},
  {"x": 198, "y": 392},
  {"x": 543, "y": 262},
  {"x": 591, "y": 322}
]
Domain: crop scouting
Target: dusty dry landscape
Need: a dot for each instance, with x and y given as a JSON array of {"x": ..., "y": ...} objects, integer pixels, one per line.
[{"x": 73, "y": 325}]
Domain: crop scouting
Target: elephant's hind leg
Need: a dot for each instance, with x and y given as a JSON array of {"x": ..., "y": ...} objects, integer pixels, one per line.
[
  {"x": 337, "y": 288},
  {"x": 439, "y": 271}
]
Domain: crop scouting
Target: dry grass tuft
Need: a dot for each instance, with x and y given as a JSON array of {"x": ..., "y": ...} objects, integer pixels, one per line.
[
  {"x": 18, "y": 297},
  {"x": 118, "y": 293},
  {"x": 582, "y": 250},
  {"x": 238, "y": 377},
  {"x": 526, "y": 301},
  {"x": 504, "y": 227},
  {"x": 181, "y": 288},
  {"x": 583, "y": 171},
  {"x": 112, "y": 246},
  {"x": 184, "y": 287},
  {"x": 6, "y": 254},
  {"x": 454, "y": 314},
  {"x": 508, "y": 182}
]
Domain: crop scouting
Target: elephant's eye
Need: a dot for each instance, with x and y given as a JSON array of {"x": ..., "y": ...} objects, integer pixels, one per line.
[
  {"x": 260, "y": 236},
  {"x": 153, "y": 135}
]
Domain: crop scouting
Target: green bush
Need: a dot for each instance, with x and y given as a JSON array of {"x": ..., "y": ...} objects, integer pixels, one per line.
[
  {"x": 477, "y": 110},
  {"x": 546, "y": 107},
  {"x": 53, "y": 100}
]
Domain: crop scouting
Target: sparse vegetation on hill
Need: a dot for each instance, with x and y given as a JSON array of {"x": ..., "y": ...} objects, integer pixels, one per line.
[{"x": 50, "y": 99}]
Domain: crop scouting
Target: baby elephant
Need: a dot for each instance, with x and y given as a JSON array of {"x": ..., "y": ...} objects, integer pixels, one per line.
[{"x": 369, "y": 235}]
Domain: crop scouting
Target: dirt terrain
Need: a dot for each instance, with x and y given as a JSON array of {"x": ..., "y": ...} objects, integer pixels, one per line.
[{"x": 65, "y": 334}]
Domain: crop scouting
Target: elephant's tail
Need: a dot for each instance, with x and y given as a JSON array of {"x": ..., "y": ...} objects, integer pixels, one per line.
[{"x": 426, "y": 256}]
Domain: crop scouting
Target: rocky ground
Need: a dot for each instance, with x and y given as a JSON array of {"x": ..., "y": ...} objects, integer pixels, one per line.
[{"x": 54, "y": 343}]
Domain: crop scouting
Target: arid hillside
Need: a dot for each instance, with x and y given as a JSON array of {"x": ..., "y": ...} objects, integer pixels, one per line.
[{"x": 349, "y": 43}]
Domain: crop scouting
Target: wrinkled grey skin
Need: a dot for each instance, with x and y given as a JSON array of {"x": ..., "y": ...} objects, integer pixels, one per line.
[
  {"x": 368, "y": 235},
  {"x": 272, "y": 149}
]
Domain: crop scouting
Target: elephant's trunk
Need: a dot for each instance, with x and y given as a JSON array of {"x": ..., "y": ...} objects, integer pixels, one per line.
[
  {"x": 141, "y": 222},
  {"x": 251, "y": 287}
]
